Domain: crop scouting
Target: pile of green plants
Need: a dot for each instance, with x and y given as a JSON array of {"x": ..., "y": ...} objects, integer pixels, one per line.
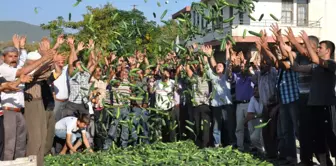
[{"x": 177, "y": 153}]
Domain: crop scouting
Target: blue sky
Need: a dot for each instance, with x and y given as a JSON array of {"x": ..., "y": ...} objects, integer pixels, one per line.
[{"x": 23, "y": 10}]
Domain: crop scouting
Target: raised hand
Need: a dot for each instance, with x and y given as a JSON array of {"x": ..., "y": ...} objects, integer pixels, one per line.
[
  {"x": 241, "y": 56},
  {"x": 71, "y": 40},
  {"x": 120, "y": 60},
  {"x": 99, "y": 55},
  {"x": 207, "y": 49},
  {"x": 263, "y": 39},
  {"x": 137, "y": 54},
  {"x": 80, "y": 46},
  {"x": 290, "y": 35},
  {"x": 23, "y": 42},
  {"x": 258, "y": 45},
  {"x": 25, "y": 78},
  {"x": 50, "y": 55},
  {"x": 195, "y": 46},
  {"x": 173, "y": 53},
  {"x": 228, "y": 45},
  {"x": 113, "y": 56},
  {"x": 58, "y": 57},
  {"x": 276, "y": 30},
  {"x": 264, "y": 35},
  {"x": 145, "y": 52},
  {"x": 131, "y": 60},
  {"x": 304, "y": 36},
  {"x": 16, "y": 41},
  {"x": 46, "y": 43},
  {"x": 60, "y": 39},
  {"x": 91, "y": 44},
  {"x": 44, "y": 46}
]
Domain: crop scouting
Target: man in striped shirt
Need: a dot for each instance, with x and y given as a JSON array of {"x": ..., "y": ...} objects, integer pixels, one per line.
[
  {"x": 164, "y": 101},
  {"x": 121, "y": 108},
  {"x": 201, "y": 105}
]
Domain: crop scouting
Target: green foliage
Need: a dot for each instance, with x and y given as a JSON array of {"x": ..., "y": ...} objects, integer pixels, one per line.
[
  {"x": 177, "y": 153},
  {"x": 118, "y": 30}
]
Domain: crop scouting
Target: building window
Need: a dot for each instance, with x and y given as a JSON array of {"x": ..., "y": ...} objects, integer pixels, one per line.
[
  {"x": 193, "y": 18},
  {"x": 241, "y": 15},
  {"x": 198, "y": 16},
  {"x": 202, "y": 22},
  {"x": 302, "y": 10},
  {"x": 287, "y": 11}
]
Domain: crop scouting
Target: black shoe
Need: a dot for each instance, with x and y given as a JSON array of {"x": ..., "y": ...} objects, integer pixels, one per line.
[
  {"x": 283, "y": 162},
  {"x": 306, "y": 164}
]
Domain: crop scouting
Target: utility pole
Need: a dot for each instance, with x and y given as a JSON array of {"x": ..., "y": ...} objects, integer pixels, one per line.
[{"x": 134, "y": 6}]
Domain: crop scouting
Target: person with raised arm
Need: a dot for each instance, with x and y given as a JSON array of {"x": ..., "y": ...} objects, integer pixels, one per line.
[
  {"x": 8, "y": 87},
  {"x": 201, "y": 106},
  {"x": 13, "y": 102},
  {"x": 35, "y": 111},
  {"x": 288, "y": 90},
  {"x": 321, "y": 98},
  {"x": 79, "y": 81},
  {"x": 221, "y": 100}
]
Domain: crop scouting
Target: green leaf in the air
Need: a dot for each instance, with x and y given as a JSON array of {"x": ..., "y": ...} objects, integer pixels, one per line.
[
  {"x": 262, "y": 125},
  {"x": 77, "y": 3},
  {"x": 164, "y": 14}
]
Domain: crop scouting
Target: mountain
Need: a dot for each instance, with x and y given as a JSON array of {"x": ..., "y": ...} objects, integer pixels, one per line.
[{"x": 34, "y": 33}]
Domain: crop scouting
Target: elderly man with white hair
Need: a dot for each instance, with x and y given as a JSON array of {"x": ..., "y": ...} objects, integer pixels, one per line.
[{"x": 35, "y": 114}]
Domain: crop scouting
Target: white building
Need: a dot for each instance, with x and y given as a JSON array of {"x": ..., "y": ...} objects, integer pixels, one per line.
[{"x": 313, "y": 16}]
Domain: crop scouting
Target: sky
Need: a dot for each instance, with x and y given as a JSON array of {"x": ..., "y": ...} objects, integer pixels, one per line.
[{"x": 24, "y": 10}]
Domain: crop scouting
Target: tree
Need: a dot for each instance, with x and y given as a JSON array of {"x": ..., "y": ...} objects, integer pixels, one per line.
[{"x": 111, "y": 29}]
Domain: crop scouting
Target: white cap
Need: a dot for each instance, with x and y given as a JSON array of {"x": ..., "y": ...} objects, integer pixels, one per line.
[{"x": 33, "y": 55}]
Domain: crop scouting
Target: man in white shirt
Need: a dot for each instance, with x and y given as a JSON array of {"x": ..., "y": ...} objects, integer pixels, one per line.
[
  {"x": 71, "y": 128},
  {"x": 164, "y": 101},
  {"x": 6, "y": 86},
  {"x": 13, "y": 103},
  {"x": 61, "y": 91},
  {"x": 253, "y": 118},
  {"x": 221, "y": 98}
]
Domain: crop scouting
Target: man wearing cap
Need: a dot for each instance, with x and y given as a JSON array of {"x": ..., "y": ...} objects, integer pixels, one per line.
[
  {"x": 13, "y": 103},
  {"x": 35, "y": 114}
]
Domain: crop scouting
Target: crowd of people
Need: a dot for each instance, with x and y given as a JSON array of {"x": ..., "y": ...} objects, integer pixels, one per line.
[{"x": 83, "y": 99}]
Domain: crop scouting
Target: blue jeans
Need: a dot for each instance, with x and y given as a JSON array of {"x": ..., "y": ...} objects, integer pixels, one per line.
[
  {"x": 113, "y": 131},
  {"x": 140, "y": 121},
  {"x": 62, "y": 134},
  {"x": 287, "y": 129},
  {"x": 224, "y": 114}
]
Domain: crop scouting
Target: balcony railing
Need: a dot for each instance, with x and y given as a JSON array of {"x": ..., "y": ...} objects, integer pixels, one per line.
[{"x": 265, "y": 23}]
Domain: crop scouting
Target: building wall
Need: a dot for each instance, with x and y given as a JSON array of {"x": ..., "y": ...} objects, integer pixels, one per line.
[
  {"x": 320, "y": 20},
  {"x": 325, "y": 10}
]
